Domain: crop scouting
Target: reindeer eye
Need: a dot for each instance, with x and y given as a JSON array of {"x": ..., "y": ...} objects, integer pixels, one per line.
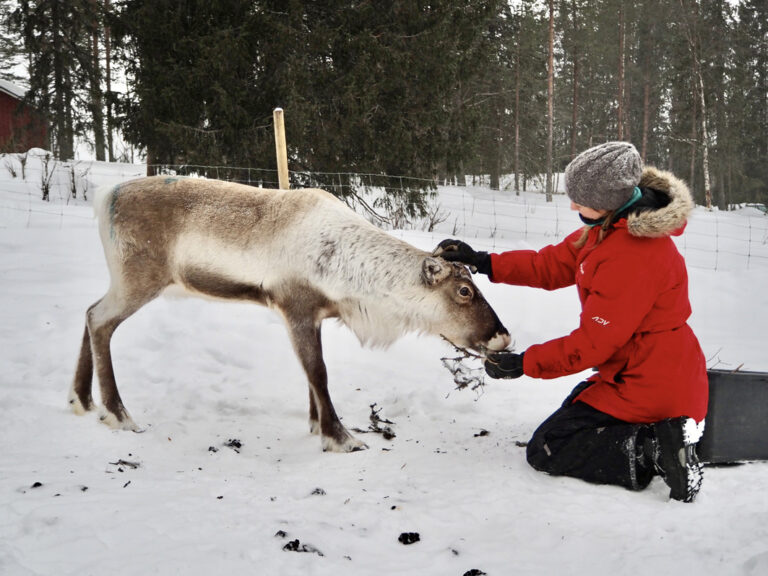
[{"x": 465, "y": 292}]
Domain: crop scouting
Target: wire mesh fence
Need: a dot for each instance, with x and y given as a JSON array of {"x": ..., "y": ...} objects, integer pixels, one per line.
[{"x": 497, "y": 219}]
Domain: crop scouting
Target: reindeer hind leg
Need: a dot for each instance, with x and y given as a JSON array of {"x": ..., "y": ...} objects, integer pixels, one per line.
[
  {"x": 103, "y": 318},
  {"x": 314, "y": 420},
  {"x": 80, "y": 398}
]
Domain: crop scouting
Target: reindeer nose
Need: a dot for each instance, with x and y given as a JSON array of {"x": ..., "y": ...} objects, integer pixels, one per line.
[{"x": 500, "y": 341}]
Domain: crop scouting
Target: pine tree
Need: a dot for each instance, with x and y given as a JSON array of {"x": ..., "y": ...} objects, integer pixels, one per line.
[
  {"x": 530, "y": 92},
  {"x": 440, "y": 89},
  {"x": 56, "y": 38},
  {"x": 11, "y": 53},
  {"x": 190, "y": 69},
  {"x": 749, "y": 147}
]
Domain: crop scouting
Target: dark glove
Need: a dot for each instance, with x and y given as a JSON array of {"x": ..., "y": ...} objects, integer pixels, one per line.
[
  {"x": 458, "y": 251},
  {"x": 504, "y": 364}
]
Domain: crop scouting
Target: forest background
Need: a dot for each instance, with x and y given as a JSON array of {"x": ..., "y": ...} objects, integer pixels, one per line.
[{"x": 438, "y": 91}]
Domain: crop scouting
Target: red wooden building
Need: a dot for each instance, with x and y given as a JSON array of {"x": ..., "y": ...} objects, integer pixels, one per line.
[{"x": 21, "y": 126}]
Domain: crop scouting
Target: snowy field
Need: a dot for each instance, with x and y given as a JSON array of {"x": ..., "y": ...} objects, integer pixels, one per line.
[{"x": 226, "y": 479}]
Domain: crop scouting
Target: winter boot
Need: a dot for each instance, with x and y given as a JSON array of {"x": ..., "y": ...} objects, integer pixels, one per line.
[{"x": 671, "y": 446}]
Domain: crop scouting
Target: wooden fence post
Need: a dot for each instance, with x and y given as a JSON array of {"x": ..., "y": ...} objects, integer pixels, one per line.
[{"x": 282, "y": 154}]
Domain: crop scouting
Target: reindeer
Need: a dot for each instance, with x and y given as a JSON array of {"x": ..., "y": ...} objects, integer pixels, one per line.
[{"x": 302, "y": 252}]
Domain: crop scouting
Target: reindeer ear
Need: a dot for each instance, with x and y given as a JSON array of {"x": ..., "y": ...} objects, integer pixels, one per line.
[{"x": 434, "y": 270}]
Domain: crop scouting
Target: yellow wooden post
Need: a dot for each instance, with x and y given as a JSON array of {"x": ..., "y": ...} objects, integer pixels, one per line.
[{"x": 282, "y": 154}]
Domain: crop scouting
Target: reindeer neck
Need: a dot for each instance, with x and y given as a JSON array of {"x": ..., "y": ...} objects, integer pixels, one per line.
[{"x": 372, "y": 262}]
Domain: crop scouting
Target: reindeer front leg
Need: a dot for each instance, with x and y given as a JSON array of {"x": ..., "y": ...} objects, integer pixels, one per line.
[{"x": 305, "y": 335}]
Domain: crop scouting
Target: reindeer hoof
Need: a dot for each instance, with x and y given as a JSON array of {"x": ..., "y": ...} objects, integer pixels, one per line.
[
  {"x": 314, "y": 427},
  {"x": 77, "y": 406},
  {"x": 349, "y": 444},
  {"x": 125, "y": 422}
]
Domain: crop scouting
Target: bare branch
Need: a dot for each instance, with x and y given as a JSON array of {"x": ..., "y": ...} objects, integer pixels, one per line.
[
  {"x": 464, "y": 375},
  {"x": 375, "y": 425}
]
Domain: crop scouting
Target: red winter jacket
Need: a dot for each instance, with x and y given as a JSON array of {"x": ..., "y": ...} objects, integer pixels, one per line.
[{"x": 633, "y": 288}]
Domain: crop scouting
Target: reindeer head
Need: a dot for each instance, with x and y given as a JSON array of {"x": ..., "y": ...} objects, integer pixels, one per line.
[{"x": 462, "y": 314}]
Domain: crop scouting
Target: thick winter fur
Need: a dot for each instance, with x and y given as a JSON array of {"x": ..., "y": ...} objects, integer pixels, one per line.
[
  {"x": 301, "y": 252},
  {"x": 663, "y": 221}
]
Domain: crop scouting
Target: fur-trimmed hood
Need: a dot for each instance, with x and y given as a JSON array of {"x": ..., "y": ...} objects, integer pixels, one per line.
[{"x": 665, "y": 220}]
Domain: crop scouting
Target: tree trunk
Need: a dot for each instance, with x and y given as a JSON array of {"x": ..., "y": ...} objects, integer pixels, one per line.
[
  {"x": 151, "y": 168},
  {"x": 691, "y": 35},
  {"x": 575, "y": 106},
  {"x": 63, "y": 145},
  {"x": 461, "y": 176},
  {"x": 497, "y": 141},
  {"x": 97, "y": 106},
  {"x": 704, "y": 138},
  {"x": 517, "y": 118},
  {"x": 550, "y": 96},
  {"x": 646, "y": 105},
  {"x": 627, "y": 109},
  {"x": 495, "y": 178},
  {"x": 108, "y": 79},
  {"x": 694, "y": 137},
  {"x": 620, "y": 95}
]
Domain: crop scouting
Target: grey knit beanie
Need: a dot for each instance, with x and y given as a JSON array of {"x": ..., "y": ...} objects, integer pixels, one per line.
[{"x": 604, "y": 177}]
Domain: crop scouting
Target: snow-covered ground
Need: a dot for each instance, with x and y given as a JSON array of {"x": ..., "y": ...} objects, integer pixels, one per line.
[{"x": 226, "y": 474}]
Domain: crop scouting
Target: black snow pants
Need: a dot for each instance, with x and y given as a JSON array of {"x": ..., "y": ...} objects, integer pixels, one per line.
[{"x": 582, "y": 442}]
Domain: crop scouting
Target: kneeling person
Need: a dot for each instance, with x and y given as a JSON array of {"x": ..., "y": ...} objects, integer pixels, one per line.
[{"x": 643, "y": 411}]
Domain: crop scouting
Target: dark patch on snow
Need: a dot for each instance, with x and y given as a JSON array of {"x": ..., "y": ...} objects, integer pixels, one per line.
[
  {"x": 125, "y": 464},
  {"x": 235, "y": 444},
  {"x": 297, "y": 546},
  {"x": 409, "y": 538}
]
